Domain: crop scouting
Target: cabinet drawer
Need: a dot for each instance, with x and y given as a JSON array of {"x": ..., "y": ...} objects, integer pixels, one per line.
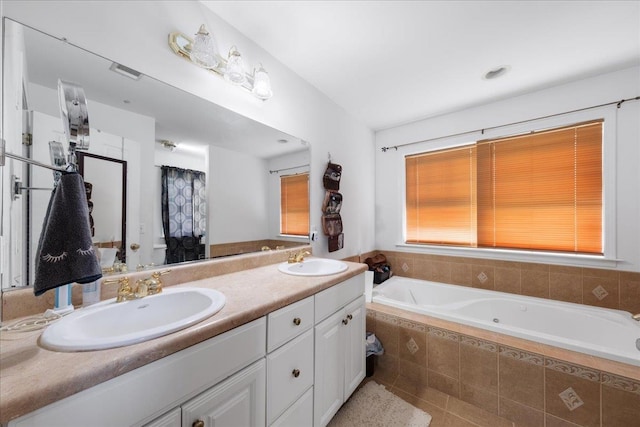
[
  {"x": 289, "y": 322},
  {"x": 333, "y": 299},
  {"x": 300, "y": 414},
  {"x": 289, "y": 374}
]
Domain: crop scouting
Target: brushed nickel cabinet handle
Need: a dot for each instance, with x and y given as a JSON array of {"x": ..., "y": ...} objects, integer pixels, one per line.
[
  {"x": 345, "y": 321},
  {"x": 297, "y": 321},
  {"x": 349, "y": 316},
  {"x": 198, "y": 423},
  {"x": 296, "y": 373}
]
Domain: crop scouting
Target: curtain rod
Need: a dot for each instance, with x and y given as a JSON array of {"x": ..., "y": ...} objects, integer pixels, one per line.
[
  {"x": 286, "y": 169},
  {"x": 617, "y": 103}
]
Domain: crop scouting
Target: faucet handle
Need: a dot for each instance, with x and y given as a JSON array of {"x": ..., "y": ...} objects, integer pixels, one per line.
[
  {"x": 154, "y": 283},
  {"x": 124, "y": 288}
]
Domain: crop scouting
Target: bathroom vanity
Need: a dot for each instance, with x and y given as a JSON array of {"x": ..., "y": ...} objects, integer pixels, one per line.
[{"x": 285, "y": 351}]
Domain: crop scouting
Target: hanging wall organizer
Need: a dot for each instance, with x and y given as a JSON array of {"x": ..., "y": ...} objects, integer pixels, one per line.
[{"x": 331, "y": 220}]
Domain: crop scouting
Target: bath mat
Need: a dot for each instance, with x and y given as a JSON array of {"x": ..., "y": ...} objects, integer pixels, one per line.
[{"x": 374, "y": 406}]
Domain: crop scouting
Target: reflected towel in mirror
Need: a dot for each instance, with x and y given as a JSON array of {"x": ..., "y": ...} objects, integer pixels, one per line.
[{"x": 65, "y": 252}]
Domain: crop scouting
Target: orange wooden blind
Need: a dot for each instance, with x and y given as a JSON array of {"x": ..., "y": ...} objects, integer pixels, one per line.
[
  {"x": 294, "y": 204},
  {"x": 440, "y": 199},
  {"x": 540, "y": 191}
]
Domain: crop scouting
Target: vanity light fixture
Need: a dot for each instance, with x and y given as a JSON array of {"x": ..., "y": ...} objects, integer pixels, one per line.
[
  {"x": 202, "y": 51},
  {"x": 169, "y": 145}
]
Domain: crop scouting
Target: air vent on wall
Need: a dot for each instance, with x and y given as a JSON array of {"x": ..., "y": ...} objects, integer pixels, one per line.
[{"x": 125, "y": 71}]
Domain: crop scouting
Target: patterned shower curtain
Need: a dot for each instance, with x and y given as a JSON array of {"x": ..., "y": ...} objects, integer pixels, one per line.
[{"x": 184, "y": 216}]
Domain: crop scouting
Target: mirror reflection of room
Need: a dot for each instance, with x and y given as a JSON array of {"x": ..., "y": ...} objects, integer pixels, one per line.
[{"x": 133, "y": 119}]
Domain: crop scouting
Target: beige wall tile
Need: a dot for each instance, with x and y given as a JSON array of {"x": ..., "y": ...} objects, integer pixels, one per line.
[
  {"x": 443, "y": 353},
  {"x": 521, "y": 415},
  {"x": 565, "y": 286},
  {"x": 412, "y": 342},
  {"x": 584, "y": 406},
  {"x": 441, "y": 272},
  {"x": 479, "y": 364},
  {"x": 630, "y": 292},
  {"x": 386, "y": 369},
  {"x": 599, "y": 272},
  {"x": 507, "y": 279},
  {"x": 535, "y": 282},
  {"x": 601, "y": 291},
  {"x": 522, "y": 377},
  {"x": 620, "y": 402},
  {"x": 461, "y": 274},
  {"x": 482, "y": 276},
  {"x": 411, "y": 377},
  {"x": 387, "y": 333}
]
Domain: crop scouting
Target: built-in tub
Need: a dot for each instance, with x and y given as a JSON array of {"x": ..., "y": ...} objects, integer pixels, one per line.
[{"x": 607, "y": 333}]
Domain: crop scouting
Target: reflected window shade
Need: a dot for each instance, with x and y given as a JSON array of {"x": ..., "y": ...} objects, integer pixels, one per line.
[
  {"x": 542, "y": 191},
  {"x": 294, "y": 204},
  {"x": 441, "y": 197}
]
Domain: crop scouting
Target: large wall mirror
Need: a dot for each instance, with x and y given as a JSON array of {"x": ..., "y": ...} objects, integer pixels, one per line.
[{"x": 144, "y": 124}]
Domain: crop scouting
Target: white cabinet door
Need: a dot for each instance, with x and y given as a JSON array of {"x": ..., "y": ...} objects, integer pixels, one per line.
[
  {"x": 329, "y": 369},
  {"x": 300, "y": 414},
  {"x": 354, "y": 353},
  {"x": 170, "y": 419},
  {"x": 237, "y": 401}
]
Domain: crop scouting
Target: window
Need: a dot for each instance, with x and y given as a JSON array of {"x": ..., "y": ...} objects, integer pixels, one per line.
[
  {"x": 294, "y": 204},
  {"x": 537, "y": 191}
]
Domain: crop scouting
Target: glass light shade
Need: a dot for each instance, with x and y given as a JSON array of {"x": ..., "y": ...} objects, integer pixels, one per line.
[
  {"x": 203, "y": 51},
  {"x": 235, "y": 68},
  {"x": 262, "y": 84}
]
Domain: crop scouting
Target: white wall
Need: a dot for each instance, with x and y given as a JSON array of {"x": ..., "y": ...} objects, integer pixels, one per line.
[
  {"x": 134, "y": 33},
  {"x": 237, "y": 199},
  {"x": 573, "y": 96}
]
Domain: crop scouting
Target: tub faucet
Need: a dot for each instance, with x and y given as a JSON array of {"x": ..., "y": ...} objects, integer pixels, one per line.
[{"x": 636, "y": 317}]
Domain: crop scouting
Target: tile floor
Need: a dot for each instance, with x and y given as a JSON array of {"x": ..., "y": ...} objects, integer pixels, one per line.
[{"x": 445, "y": 410}]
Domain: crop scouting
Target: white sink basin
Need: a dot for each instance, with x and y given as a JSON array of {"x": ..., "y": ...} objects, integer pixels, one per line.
[
  {"x": 109, "y": 324},
  {"x": 313, "y": 267}
]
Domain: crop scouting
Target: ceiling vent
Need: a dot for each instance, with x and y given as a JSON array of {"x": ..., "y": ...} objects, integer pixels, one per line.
[{"x": 125, "y": 71}]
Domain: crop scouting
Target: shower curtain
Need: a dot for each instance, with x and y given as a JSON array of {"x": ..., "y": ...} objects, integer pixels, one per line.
[{"x": 183, "y": 213}]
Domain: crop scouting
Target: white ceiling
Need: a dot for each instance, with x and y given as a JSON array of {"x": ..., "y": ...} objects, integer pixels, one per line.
[{"x": 393, "y": 62}]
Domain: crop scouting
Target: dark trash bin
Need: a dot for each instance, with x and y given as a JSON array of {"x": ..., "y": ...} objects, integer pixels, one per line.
[{"x": 374, "y": 348}]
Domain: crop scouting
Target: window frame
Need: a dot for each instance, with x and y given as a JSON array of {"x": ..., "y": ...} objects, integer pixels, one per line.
[{"x": 608, "y": 259}]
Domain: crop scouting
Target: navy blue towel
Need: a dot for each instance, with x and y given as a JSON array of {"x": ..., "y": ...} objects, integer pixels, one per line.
[{"x": 65, "y": 251}]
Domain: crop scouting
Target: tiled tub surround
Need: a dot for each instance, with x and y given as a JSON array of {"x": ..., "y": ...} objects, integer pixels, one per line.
[
  {"x": 607, "y": 333},
  {"x": 590, "y": 286},
  {"x": 525, "y": 383},
  {"x": 32, "y": 377}
]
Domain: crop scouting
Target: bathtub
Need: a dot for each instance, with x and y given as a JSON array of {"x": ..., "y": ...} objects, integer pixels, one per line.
[{"x": 607, "y": 333}]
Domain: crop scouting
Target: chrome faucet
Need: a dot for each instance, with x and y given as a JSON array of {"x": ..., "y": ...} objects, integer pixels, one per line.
[
  {"x": 297, "y": 256},
  {"x": 636, "y": 317}
]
